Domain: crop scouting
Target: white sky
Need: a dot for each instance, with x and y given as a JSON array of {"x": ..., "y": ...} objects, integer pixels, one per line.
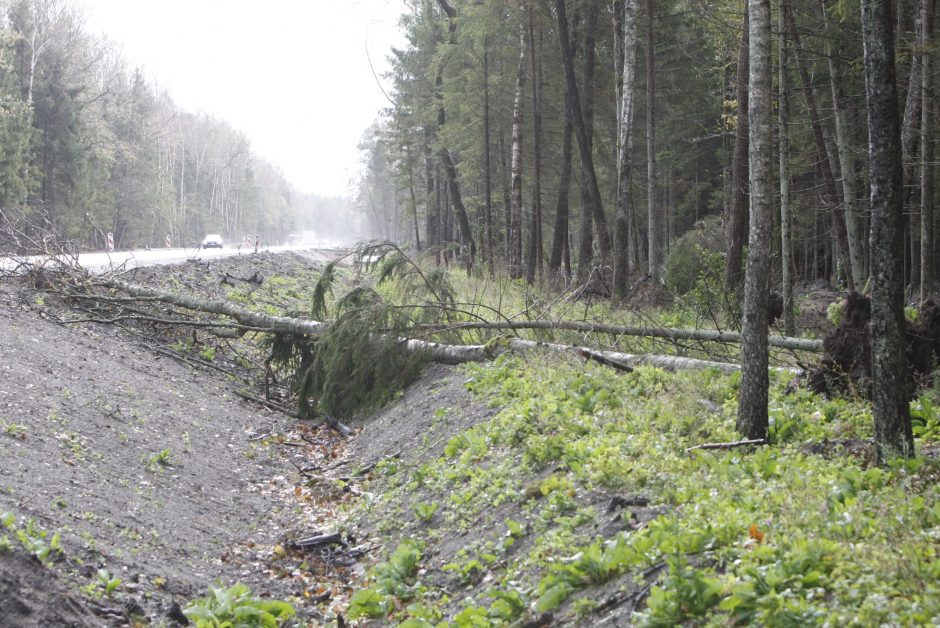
[{"x": 293, "y": 75}]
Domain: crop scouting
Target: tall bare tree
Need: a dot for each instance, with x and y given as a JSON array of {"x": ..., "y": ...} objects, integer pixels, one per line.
[
  {"x": 926, "y": 153},
  {"x": 628, "y": 29},
  {"x": 845, "y": 154},
  {"x": 515, "y": 210},
  {"x": 752, "y": 405},
  {"x": 584, "y": 142},
  {"x": 786, "y": 222},
  {"x": 535, "y": 257},
  {"x": 890, "y": 375},
  {"x": 831, "y": 195},
  {"x": 739, "y": 174},
  {"x": 656, "y": 222}
]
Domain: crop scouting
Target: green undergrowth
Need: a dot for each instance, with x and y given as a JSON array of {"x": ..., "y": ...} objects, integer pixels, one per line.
[{"x": 578, "y": 498}]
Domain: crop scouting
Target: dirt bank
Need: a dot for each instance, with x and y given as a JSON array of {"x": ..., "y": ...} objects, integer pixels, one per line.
[{"x": 148, "y": 468}]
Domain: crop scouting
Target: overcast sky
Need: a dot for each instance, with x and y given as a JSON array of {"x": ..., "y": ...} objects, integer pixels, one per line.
[{"x": 293, "y": 75}]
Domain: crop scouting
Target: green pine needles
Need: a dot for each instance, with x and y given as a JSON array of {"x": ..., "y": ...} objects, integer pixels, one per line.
[{"x": 361, "y": 361}]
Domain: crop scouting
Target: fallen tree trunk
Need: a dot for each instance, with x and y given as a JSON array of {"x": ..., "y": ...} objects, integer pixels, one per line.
[
  {"x": 669, "y": 333},
  {"x": 458, "y": 354},
  {"x": 283, "y": 324}
]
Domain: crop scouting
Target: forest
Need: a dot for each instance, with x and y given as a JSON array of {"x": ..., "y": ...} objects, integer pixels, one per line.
[
  {"x": 483, "y": 147},
  {"x": 646, "y": 334},
  {"x": 90, "y": 145}
]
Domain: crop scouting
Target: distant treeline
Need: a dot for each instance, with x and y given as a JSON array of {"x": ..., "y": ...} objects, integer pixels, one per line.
[{"x": 89, "y": 146}]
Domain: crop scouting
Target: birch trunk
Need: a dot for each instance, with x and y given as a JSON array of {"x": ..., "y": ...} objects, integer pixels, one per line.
[
  {"x": 515, "y": 212},
  {"x": 625, "y": 149},
  {"x": 752, "y": 406}
]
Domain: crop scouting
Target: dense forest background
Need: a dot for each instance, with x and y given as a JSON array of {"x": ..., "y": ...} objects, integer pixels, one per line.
[
  {"x": 484, "y": 147},
  {"x": 89, "y": 145}
]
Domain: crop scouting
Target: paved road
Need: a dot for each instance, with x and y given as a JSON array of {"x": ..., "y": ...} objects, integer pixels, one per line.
[{"x": 123, "y": 260}]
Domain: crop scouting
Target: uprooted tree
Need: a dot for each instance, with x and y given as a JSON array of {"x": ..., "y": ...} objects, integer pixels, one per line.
[{"x": 350, "y": 352}]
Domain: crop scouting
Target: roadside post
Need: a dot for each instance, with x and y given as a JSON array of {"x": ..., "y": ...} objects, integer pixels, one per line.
[
  {"x": 110, "y": 242},
  {"x": 169, "y": 242}
]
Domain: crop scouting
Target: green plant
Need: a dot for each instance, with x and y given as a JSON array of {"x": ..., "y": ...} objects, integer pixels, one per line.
[
  {"x": 469, "y": 571},
  {"x": 208, "y": 353},
  {"x": 235, "y": 607},
  {"x": 158, "y": 460},
  {"x": 15, "y": 430},
  {"x": 425, "y": 511},
  {"x": 925, "y": 419},
  {"x": 103, "y": 583},
  {"x": 368, "y": 602},
  {"x": 34, "y": 540},
  {"x": 686, "y": 594},
  {"x": 393, "y": 579},
  {"x": 834, "y": 313}
]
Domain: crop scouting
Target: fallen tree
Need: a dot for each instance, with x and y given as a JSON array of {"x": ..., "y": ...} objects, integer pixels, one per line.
[
  {"x": 456, "y": 354},
  {"x": 669, "y": 333}
]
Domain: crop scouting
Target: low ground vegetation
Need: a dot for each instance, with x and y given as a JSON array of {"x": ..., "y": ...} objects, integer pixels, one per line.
[{"x": 531, "y": 489}]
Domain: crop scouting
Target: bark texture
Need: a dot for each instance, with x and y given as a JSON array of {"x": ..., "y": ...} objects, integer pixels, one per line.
[
  {"x": 890, "y": 377},
  {"x": 584, "y": 142},
  {"x": 656, "y": 222},
  {"x": 515, "y": 210},
  {"x": 625, "y": 149},
  {"x": 786, "y": 245},
  {"x": 752, "y": 405},
  {"x": 739, "y": 174}
]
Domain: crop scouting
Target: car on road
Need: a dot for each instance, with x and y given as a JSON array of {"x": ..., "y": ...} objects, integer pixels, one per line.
[{"x": 213, "y": 240}]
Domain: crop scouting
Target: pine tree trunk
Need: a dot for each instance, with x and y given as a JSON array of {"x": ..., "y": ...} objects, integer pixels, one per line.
[
  {"x": 752, "y": 405},
  {"x": 912, "y": 113},
  {"x": 601, "y": 231},
  {"x": 846, "y": 157},
  {"x": 535, "y": 256},
  {"x": 432, "y": 234},
  {"x": 831, "y": 196},
  {"x": 889, "y": 369},
  {"x": 584, "y": 142},
  {"x": 657, "y": 257},
  {"x": 453, "y": 185},
  {"x": 487, "y": 174},
  {"x": 739, "y": 165},
  {"x": 412, "y": 195},
  {"x": 926, "y": 154},
  {"x": 560, "y": 240},
  {"x": 786, "y": 244}
]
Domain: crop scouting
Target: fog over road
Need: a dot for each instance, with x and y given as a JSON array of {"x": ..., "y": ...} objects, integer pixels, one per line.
[{"x": 124, "y": 260}]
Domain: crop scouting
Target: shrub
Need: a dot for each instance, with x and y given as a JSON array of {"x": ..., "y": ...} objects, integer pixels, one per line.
[{"x": 687, "y": 255}]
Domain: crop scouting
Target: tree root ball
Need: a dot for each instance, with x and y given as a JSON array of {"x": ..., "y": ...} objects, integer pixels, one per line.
[{"x": 846, "y": 364}]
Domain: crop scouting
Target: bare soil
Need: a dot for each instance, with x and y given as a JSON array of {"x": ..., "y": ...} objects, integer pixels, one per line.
[{"x": 154, "y": 469}]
